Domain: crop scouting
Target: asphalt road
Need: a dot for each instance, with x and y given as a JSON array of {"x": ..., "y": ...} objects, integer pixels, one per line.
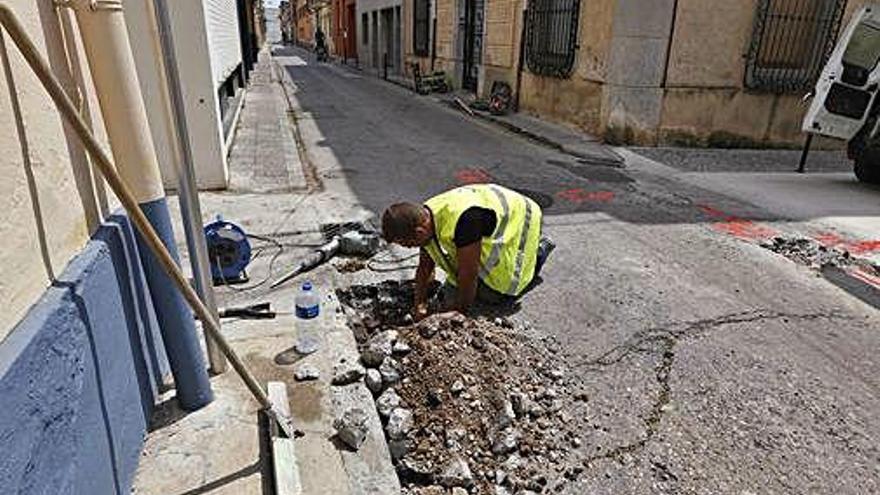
[{"x": 712, "y": 365}]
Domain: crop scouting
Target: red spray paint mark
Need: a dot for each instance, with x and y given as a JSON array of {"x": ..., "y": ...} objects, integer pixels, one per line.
[
  {"x": 828, "y": 239},
  {"x": 745, "y": 229},
  {"x": 866, "y": 278},
  {"x": 472, "y": 176},
  {"x": 864, "y": 247},
  {"x": 738, "y": 227},
  {"x": 580, "y": 196},
  {"x": 832, "y": 240}
]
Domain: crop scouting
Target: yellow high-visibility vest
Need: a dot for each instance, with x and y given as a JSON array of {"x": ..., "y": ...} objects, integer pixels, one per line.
[{"x": 507, "y": 257}]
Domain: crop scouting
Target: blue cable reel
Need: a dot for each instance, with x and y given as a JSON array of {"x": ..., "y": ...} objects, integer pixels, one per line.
[{"x": 229, "y": 252}]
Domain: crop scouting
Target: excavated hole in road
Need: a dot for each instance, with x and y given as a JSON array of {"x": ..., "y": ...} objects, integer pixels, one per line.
[{"x": 476, "y": 404}]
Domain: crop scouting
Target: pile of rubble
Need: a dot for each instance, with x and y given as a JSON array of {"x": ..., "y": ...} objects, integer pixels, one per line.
[
  {"x": 468, "y": 405},
  {"x": 808, "y": 252}
]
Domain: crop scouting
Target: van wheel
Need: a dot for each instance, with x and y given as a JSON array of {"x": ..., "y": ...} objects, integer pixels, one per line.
[{"x": 867, "y": 166}]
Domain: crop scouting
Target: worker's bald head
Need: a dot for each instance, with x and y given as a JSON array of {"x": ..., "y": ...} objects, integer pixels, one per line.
[{"x": 407, "y": 224}]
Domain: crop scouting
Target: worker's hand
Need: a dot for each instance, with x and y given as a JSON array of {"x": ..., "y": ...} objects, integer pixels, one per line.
[
  {"x": 420, "y": 312},
  {"x": 451, "y": 314}
]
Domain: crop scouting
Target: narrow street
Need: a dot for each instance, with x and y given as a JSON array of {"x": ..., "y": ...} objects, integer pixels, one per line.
[
  {"x": 712, "y": 365},
  {"x": 208, "y": 291}
]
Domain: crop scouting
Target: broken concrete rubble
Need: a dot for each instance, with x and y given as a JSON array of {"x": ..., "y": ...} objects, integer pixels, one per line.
[
  {"x": 456, "y": 473},
  {"x": 389, "y": 370},
  {"x": 306, "y": 372},
  {"x": 808, "y": 252},
  {"x": 457, "y": 387},
  {"x": 387, "y": 402},
  {"x": 474, "y": 390},
  {"x": 399, "y": 423},
  {"x": 378, "y": 348},
  {"x": 400, "y": 348},
  {"x": 346, "y": 373},
  {"x": 506, "y": 416},
  {"x": 505, "y": 441},
  {"x": 352, "y": 427},
  {"x": 373, "y": 380}
]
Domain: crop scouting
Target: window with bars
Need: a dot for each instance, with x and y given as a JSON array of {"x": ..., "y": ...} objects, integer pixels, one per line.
[
  {"x": 791, "y": 41},
  {"x": 551, "y": 37},
  {"x": 421, "y": 29}
]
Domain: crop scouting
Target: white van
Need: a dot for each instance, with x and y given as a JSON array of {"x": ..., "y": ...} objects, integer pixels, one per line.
[{"x": 845, "y": 105}]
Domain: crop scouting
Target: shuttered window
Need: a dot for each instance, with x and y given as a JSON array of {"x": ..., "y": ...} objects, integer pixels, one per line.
[
  {"x": 551, "y": 37},
  {"x": 421, "y": 30},
  {"x": 791, "y": 41}
]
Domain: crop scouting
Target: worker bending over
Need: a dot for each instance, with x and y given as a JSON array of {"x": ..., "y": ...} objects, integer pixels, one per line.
[{"x": 486, "y": 238}]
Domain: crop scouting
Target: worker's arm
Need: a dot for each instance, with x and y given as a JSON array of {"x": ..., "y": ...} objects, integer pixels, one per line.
[
  {"x": 468, "y": 269},
  {"x": 424, "y": 277}
]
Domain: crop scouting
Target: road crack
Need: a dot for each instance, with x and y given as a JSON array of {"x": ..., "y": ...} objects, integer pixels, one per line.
[{"x": 662, "y": 342}]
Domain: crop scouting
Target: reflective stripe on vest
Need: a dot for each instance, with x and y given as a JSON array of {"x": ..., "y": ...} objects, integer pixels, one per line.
[{"x": 507, "y": 258}]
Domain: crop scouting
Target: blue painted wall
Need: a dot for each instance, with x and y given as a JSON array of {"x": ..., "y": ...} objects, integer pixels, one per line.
[{"x": 79, "y": 375}]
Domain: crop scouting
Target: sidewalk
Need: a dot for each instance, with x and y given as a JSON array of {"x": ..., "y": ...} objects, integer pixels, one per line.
[
  {"x": 264, "y": 158},
  {"x": 217, "y": 450}
]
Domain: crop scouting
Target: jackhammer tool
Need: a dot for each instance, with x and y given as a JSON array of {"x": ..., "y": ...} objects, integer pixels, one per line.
[{"x": 359, "y": 242}]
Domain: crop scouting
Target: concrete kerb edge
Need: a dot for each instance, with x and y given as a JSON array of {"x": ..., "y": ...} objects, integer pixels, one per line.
[
  {"x": 227, "y": 144},
  {"x": 288, "y": 87},
  {"x": 370, "y": 469},
  {"x": 615, "y": 160}
]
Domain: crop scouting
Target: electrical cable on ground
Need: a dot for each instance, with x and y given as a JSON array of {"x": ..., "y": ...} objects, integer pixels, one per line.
[
  {"x": 253, "y": 257},
  {"x": 390, "y": 261}
]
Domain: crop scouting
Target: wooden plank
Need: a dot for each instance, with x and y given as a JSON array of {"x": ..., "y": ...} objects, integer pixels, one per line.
[
  {"x": 284, "y": 466},
  {"x": 284, "y": 463}
]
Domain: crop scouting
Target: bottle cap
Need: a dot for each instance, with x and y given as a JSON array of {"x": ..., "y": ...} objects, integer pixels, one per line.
[{"x": 307, "y": 286}]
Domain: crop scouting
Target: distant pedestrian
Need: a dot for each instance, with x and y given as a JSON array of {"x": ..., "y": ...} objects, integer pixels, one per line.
[
  {"x": 486, "y": 238},
  {"x": 320, "y": 42}
]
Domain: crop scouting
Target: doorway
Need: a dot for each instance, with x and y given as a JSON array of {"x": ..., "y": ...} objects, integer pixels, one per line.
[
  {"x": 471, "y": 28},
  {"x": 350, "y": 31}
]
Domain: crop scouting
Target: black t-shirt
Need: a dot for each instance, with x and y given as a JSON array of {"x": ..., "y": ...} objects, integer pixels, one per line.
[{"x": 474, "y": 224}]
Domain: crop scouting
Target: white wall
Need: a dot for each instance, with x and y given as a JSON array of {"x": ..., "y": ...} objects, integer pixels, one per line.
[
  {"x": 23, "y": 276},
  {"x": 189, "y": 30}
]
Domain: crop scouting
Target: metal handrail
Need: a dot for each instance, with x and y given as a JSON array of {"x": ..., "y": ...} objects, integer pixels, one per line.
[{"x": 68, "y": 111}]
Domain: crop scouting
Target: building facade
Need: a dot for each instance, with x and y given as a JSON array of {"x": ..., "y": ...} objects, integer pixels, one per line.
[
  {"x": 380, "y": 36},
  {"x": 665, "y": 72},
  {"x": 304, "y": 22},
  {"x": 286, "y": 21}
]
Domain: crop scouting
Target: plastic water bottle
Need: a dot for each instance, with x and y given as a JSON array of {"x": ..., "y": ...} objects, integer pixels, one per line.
[
  {"x": 308, "y": 307},
  {"x": 308, "y": 304}
]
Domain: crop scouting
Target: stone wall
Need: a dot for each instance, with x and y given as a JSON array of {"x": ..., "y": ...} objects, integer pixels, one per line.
[
  {"x": 668, "y": 72},
  {"x": 578, "y": 99}
]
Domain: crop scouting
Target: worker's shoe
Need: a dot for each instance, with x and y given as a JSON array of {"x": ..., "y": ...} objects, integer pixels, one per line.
[{"x": 545, "y": 247}]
